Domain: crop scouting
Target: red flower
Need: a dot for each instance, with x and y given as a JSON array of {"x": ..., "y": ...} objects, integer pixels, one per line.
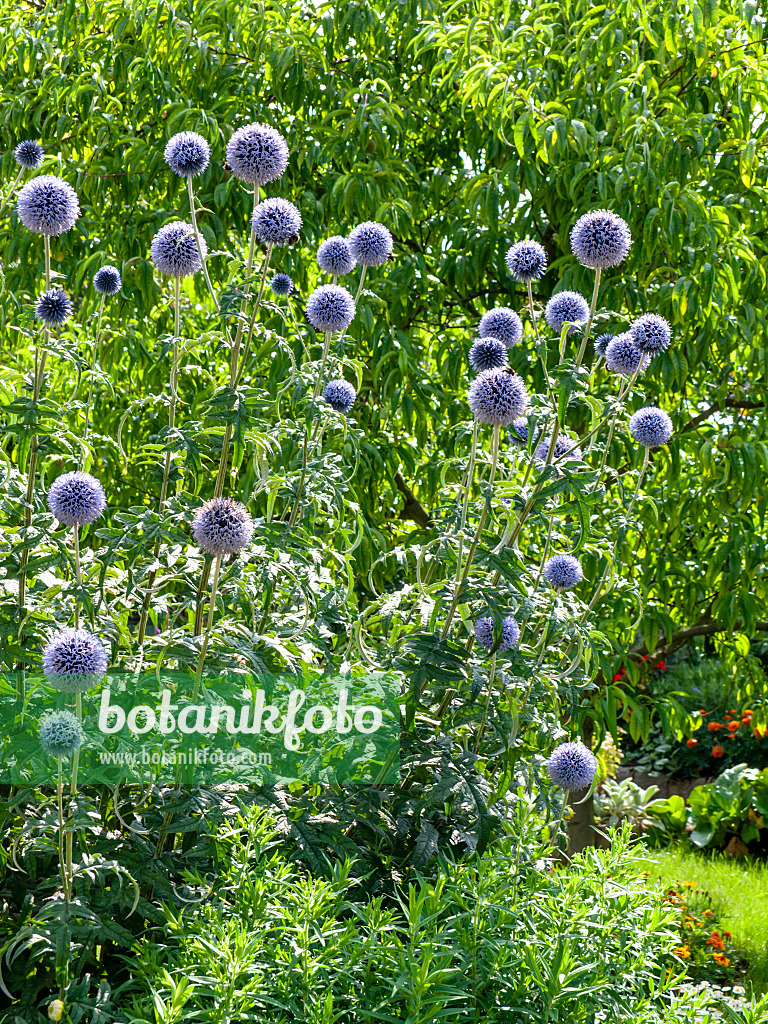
[
  {"x": 718, "y": 751},
  {"x": 691, "y": 743}
]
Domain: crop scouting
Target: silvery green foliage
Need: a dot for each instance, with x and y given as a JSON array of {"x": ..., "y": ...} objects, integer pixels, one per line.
[
  {"x": 497, "y": 397},
  {"x": 370, "y": 244},
  {"x": 276, "y": 222},
  {"x": 187, "y": 153},
  {"x": 334, "y": 257},
  {"x": 76, "y": 498},
  {"x": 340, "y": 395},
  {"x": 651, "y": 427},
  {"x": 651, "y": 333},
  {"x": 107, "y": 281},
  {"x": 502, "y": 323},
  {"x": 623, "y": 356},
  {"x": 527, "y": 261},
  {"x": 600, "y": 239},
  {"x": 61, "y": 733},
  {"x": 29, "y": 155},
  {"x": 174, "y": 250},
  {"x": 488, "y": 354},
  {"x": 566, "y": 307},
  {"x": 330, "y": 308},
  {"x": 74, "y": 660},
  {"x": 222, "y": 526},
  {"x": 563, "y": 572},
  {"x": 53, "y": 308},
  {"x": 47, "y": 205},
  {"x": 572, "y": 766},
  {"x": 257, "y": 154},
  {"x": 485, "y": 633}
]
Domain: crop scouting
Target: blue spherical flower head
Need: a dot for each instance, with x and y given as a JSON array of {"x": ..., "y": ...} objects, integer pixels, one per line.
[
  {"x": 651, "y": 333},
  {"x": 257, "y": 154},
  {"x": 520, "y": 431},
  {"x": 566, "y": 307},
  {"x": 174, "y": 250},
  {"x": 601, "y": 342},
  {"x": 502, "y": 323},
  {"x": 485, "y": 633},
  {"x": 527, "y": 261},
  {"x": 53, "y": 307},
  {"x": 47, "y": 205},
  {"x": 334, "y": 256},
  {"x": 107, "y": 281},
  {"x": 651, "y": 427},
  {"x": 61, "y": 733},
  {"x": 340, "y": 395},
  {"x": 572, "y": 766},
  {"x": 281, "y": 284},
  {"x": 488, "y": 354},
  {"x": 563, "y": 572},
  {"x": 370, "y": 244},
  {"x": 497, "y": 397},
  {"x": 600, "y": 239},
  {"x": 187, "y": 154},
  {"x": 222, "y": 526},
  {"x": 563, "y": 444},
  {"x": 330, "y": 308},
  {"x": 74, "y": 660},
  {"x": 623, "y": 356},
  {"x": 76, "y": 498},
  {"x": 29, "y": 155},
  {"x": 276, "y": 222}
]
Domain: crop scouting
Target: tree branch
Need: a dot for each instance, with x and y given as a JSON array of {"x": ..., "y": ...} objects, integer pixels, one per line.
[
  {"x": 412, "y": 509},
  {"x": 729, "y": 403}
]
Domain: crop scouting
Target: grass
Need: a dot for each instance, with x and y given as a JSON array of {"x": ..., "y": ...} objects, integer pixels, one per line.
[{"x": 739, "y": 892}]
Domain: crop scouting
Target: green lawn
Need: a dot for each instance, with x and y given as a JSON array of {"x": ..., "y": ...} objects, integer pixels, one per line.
[{"x": 739, "y": 891}]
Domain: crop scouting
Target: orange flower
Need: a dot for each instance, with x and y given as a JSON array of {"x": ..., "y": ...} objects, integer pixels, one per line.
[
  {"x": 691, "y": 743},
  {"x": 720, "y": 959},
  {"x": 746, "y": 713},
  {"x": 715, "y": 941},
  {"x": 718, "y": 751},
  {"x": 689, "y": 884},
  {"x": 731, "y": 711},
  {"x": 733, "y": 726},
  {"x": 726, "y": 935},
  {"x": 715, "y": 726},
  {"x": 703, "y": 712},
  {"x": 708, "y": 913},
  {"x": 683, "y": 952}
]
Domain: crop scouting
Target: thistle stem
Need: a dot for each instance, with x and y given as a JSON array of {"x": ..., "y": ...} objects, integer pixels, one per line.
[
  {"x": 78, "y": 574},
  {"x": 487, "y": 704},
  {"x": 96, "y": 348},
  {"x": 209, "y": 626},
  {"x": 588, "y": 328},
  {"x": 254, "y": 314},
  {"x": 203, "y": 257},
  {"x": 9, "y": 197},
  {"x": 73, "y": 786},
  {"x": 62, "y": 858},
  {"x": 323, "y": 358},
  {"x": 646, "y": 458}
]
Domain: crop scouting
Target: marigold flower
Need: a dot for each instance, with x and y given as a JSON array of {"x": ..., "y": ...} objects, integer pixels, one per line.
[
  {"x": 709, "y": 914},
  {"x": 715, "y": 726},
  {"x": 718, "y": 751},
  {"x": 726, "y": 935},
  {"x": 682, "y": 951},
  {"x": 733, "y": 726},
  {"x": 720, "y": 959},
  {"x": 691, "y": 743}
]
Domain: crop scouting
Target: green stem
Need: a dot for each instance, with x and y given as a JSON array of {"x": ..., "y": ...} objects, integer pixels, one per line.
[
  {"x": 246, "y": 293},
  {"x": 588, "y": 328},
  {"x": 62, "y": 858},
  {"x": 209, "y": 626},
  {"x": 254, "y": 314},
  {"x": 78, "y": 574},
  {"x": 9, "y": 197},
  {"x": 323, "y": 358},
  {"x": 360, "y": 285},
  {"x": 487, "y": 703},
  {"x": 203, "y": 256},
  {"x": 96, "y": 348},
  {"x": 73, "y": 786},
  {"x": 302, "y": 478},
  {"x": 646, "y": 458}
]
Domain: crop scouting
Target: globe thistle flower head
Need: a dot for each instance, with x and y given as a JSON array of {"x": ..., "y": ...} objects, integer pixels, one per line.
[
  {"x": 28, "y": 154},
  {"x": 527, "y": 261},
  {"x": 370, "y": 244},
  {"x": 651, "y": 427},
  {"x": 276, "y": 222},
  {"x": 520, "y": 431},
  {"x": 61, "y": 733},
  {"x": 502, "y": 323},
  {"x": 281, "y": 284},
  {"x": 222, "y": 526},
  {"x": 47, "y": 205},
  {"x": 600, "y": 239},
  {"x": 107, "y": 280},
  {"x": 330, "y": 308},
  {"x": 257, "y": 154},
  {"x": 488, "y": 354},
  {"x": 566, "y": 307},
  {"x": 174, "y": 250},
  {"x": 563, "y": 444},
  {"x": 486, "y": 636},
  {"x": 497, "y": 397},
  {"x": 651, "y": 333},
  {"x": 334, "y": 256},
  {"x": 563, "y": 572},
  {"x": 623, "y": 356},
  {"x": 74, "y": 660},
  {"x": 572, "y": 766},
  {"x": 340, "y": 395},
  {"x": 187, "y": 154},
  {"x": 76, "y": 498},
  {"x": 601, "y": 342},
  {"x": 53, "y": 307}
]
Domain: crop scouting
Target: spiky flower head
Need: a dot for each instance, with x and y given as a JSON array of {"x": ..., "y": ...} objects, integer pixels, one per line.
[
  {"x": 497, "y": 397},
  {"x": 600, "y": 239},
  {"x": 566, "y": 307},
  {"x": 334, "y": 257},
  {"x": 76, "y": 498},
  {"x": 28, "y": 154},
  {"x": 651, "y": 427},
  {"x": 601, "y": 342},
  {"x": 281, "y": 284},
  {"x": 53, "y": 307},
  {"x": 257, "y": 154},
  {"x": 563, "y": 572},
  {"x": 222, "y": 526},
  {"x": 563, "y": 444},
  {"x": 330, "y": 308},
  {"x": 502, "y": 323},
  {"x": 488, "y": 354},
  {"x": 623, "y": 356},
  {"x": 370, "y": 244},
  {"x": 520, "y": 431},
  {"x": 486, "y": 636},
  {"x": 527, "y": 261},
  {"x": 61, "y": 733},
  {"x": 174, "y": 250},
  {"x": 74, "y": 660},
  {"x": 572, "y": 766},
  {"x": 651, "y": 333},
  {"x": 47, "y": 205},
  {"x": 187, "y": 153},
  {"x": 340, "y": 395},
  {"x": 107, "y": 280},
  {"x": 276, "y": 222}
]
